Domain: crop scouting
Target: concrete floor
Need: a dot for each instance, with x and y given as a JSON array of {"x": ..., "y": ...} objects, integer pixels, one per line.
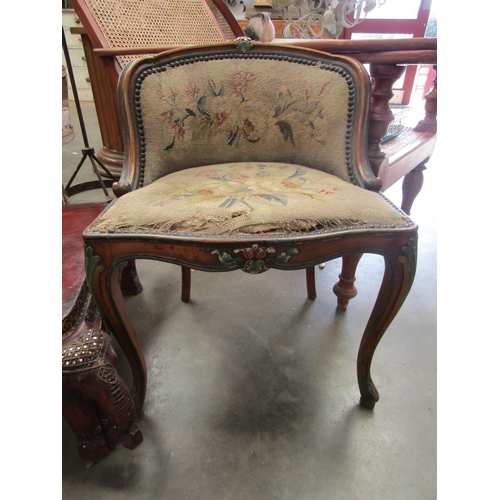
[{"x": 252, "y": 388}]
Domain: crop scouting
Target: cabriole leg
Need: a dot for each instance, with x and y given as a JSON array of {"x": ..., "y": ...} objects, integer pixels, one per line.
[
  {"x": 397, "y": 281},
  {"x": 105, "y": 285}
]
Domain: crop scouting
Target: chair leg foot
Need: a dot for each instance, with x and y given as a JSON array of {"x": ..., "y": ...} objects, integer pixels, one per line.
[
  {"x": 367, "y": 403},
  {"x": 369, "y": 393},
  {"x": 344, "y": 289}
]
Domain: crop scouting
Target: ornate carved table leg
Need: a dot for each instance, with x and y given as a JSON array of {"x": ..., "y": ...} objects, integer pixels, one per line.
[
  {"x": 414, "y": 179},
  {"x": 412, "y": 184},
  {"x": 96, "y": 401},
  {"x": 344, "y": 289},
  {"x": 429, "y": 123},
  {"x": 383, "y": 78}
]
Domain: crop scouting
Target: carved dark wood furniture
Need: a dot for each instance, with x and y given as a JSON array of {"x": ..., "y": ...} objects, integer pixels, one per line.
[
  {"x": 247, "y": 156},
  {"x": 96, "y": 402},
  {"x": 114, "y": 24}
]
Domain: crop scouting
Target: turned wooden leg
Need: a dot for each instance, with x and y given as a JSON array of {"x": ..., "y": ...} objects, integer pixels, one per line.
[
  {"x": 311, "y": 283},
  {"x": 398, "y": 278},
  {"x": 344, "y": 289},
  {"x": 186, "y": 284},
  {"x": 412, "y": 184},
  {"x": 129, "y": 280}
]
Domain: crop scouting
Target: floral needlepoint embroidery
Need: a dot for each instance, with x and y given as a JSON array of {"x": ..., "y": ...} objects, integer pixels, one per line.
[
  {"x": 243, "y": 186},
  {"x": 235, "y": 109}
]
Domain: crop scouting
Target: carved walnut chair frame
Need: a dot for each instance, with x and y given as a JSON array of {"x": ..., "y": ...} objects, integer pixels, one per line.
[{"x": 108, "y": 249}]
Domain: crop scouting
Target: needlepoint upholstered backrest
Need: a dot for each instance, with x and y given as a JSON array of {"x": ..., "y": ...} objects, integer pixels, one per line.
[{"x": 231, "y": 103}]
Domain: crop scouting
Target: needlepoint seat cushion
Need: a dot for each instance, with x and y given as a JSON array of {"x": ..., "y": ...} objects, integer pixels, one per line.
[{"x": 246, "y": 198}]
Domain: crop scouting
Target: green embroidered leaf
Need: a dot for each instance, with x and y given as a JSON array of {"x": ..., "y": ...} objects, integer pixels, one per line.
[
  {"x": 286, "y": 131},
  {"x": 233, "y": 136},
  {"x": 171, "y": 145},
  {"x": 212, "y": 86},
  {"x": 201, "y": 105}
]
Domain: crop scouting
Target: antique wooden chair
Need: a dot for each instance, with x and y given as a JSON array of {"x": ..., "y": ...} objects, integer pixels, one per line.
[{"x": 247, "y": 156}]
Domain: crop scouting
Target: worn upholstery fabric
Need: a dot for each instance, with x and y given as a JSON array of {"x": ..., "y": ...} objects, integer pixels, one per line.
[
  {"x": 248, "y": 198},
  {"x": 228, "y": 110}
]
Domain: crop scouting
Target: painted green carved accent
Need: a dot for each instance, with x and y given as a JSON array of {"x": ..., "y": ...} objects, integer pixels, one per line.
[
  {"x": 92, "y": 263},
  {"x": 285, "y": 256},
  {"x": 224, "y": 258},
  {"x": 410, "y": 251},
  {"x": 253, "y": 262},
  {"x": 244, "y": 44},
  {"x": 255, "y": 266}
]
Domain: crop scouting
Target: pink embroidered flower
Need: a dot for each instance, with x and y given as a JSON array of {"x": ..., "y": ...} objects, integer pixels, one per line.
[
  {"x": 240, "y": 82},
  {"x": 290, "y": 185},
  {"x": 221, "y": 117},
  {"x": 327, "y": 191},
  {"x": 174, "y": 93},
  {"x": 207, "y": 173},
  {"x": 179, "y": 130},
  {"x": 192, "y": 90},
  {"x": 238, "y": 177},
  {"x": 167, "y": 116}
]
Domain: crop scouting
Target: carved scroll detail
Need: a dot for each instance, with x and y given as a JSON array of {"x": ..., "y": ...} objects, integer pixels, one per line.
[
  {"x": 254, "y": 262},
  {"x": 92, "y": 264}
]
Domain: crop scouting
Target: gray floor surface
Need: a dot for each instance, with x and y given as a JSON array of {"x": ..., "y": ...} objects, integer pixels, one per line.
[{"x": 252, "y": 390}]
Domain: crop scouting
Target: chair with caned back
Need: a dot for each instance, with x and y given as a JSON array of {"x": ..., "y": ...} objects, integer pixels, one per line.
[
  {"x": 247, "y": 156},
  {"x": 133, "y": 24}
]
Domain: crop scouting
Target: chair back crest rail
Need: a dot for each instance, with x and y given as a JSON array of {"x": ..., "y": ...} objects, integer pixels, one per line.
[{"x": 188, "y": 113}]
